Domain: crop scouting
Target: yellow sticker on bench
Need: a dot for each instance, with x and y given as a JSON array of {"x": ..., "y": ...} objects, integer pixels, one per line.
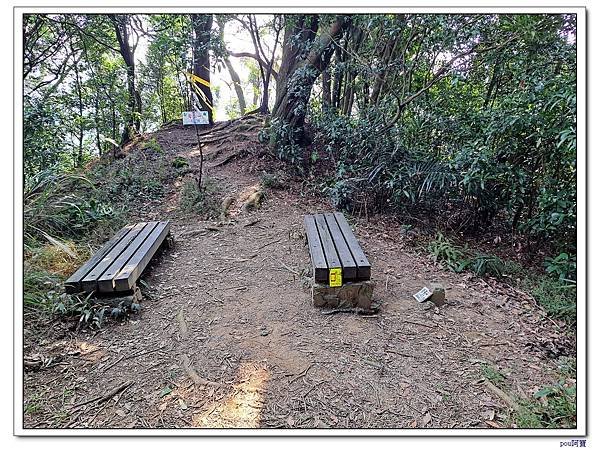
[{"x": 335, "y": 277}]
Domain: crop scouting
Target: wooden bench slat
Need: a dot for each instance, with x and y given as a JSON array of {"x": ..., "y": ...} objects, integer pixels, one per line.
[
  {"x": 105, "y": 281},
  {"x": 89, "y": 283},
  {"x": 127, "y": 277},
  {"x": 320, "y": 270},
  {"x": 329, "y": 250},
  {"x": 73, "y": 283},
  {"x": 364, "y": 268},
  {"x": 349, "y": 267}
]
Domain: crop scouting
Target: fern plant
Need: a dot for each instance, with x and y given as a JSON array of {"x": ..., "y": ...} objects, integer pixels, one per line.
[{"x": 443, "y": 251}]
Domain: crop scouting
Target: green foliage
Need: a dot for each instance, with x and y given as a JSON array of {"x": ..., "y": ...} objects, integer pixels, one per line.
[
  {"x": 283, "y": 139},
  {"x": 557, "y": 298},
  {"x": 553, "y": 406},
  {"x": 492, "y": 143},
  {"x": 43, "y": 136},
  {"x": 41, "y": 290},
  {"x": 59, "y": 205},
  {"x": 43, "y": 293},
  {"x": 196, "y": 201},
  {"x": 492, "y": 374},
  {"x": 443, "y": 251},
  {"x": 163, "y": 87},
  {"x": 483, "y": 264},
  {"x": 563, "y": 266},
  {"x": 179, "y": 162},
  {"x": 459, "y": 259}
]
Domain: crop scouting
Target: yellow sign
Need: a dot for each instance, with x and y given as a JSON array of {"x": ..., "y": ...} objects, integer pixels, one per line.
[{"x": 335, "y": 277}]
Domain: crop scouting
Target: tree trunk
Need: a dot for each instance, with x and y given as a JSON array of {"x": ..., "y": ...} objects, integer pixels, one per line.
[
  {"x": 299, "y": 70},
  {"x": 384, "y": 60},
  {"x": 237, "y": 85},
  {"x": 78, "y": 160},
  {"x": 202, "y": 24},
  {"x": 326, "y": 100},
  {"x": 336, "y": 89},
  {"x": 235, "y": 78},
  {"x": 133, "y": 117}
]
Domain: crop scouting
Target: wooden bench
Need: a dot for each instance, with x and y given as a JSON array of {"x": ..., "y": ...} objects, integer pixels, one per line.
[
  {"x": 117, "y": 266},
  {"x": 333, "y": 249}
]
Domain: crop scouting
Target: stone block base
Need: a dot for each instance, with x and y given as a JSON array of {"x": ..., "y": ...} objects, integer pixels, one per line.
[
  {"x": 439, "y": 294},
  {"x": 358, "y": 294}
]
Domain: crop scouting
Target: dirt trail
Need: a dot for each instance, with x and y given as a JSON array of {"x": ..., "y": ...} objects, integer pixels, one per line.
[{"x": 227, "y": 336}]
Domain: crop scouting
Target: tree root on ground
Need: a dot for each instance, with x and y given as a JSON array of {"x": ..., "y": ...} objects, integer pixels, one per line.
[
  {"x": 193, "y": 375},
  {"x": 229, "y": 158}
]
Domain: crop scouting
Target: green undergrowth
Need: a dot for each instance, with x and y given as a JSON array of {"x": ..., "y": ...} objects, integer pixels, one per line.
[
  {"x": 68, "y": 216},
  {"x": 44, "y": 296},
  {"x": 553, "y": 406},
  {"x": 552, "y": 290},
  {"x": 204, "y": 202}
]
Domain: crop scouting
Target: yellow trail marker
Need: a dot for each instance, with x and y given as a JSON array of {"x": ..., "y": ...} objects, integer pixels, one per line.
[
  {"x": 196, "y": 78},
  {"x": 335, "y": 277},
  {"x": 191, "y": 78}
]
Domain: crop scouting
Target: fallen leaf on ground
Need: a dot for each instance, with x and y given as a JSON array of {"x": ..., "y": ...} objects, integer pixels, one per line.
[{"x": 426, "y": 419}]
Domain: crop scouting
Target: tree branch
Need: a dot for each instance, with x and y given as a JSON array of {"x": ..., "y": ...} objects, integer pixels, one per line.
[{"x": 254, "y": 56}]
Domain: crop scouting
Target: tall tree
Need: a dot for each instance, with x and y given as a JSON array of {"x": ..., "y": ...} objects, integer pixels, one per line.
[
  {"x": 128, "y": 41},
  {"x": 235, "y": 78},
  {"x": 305, "y": 56},
  {"x": 202, "y": 25},
  {"x": 262, "y": 55}
]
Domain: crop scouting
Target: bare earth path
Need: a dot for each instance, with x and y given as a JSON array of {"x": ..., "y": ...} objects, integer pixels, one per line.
[{"x": 228, "y": 336}]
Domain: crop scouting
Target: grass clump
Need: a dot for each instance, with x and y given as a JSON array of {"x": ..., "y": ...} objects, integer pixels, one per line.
[
  {"x": 62, "y": 259},
  {"x": 276, "y": 180},
  {"x": 41, "y": 289},
  {"x": 554, "y": 291},
  {"x": 459, "y": 259},
  {"x": 198, "y": 201},
  {"x": 492, "y": 374},
  {"x": 558, "y": 298},
  {"x": 179, "y": 162},
  {"x": 62, "y": 205},
  {"x": 442, "y": 250},
  {"x": 154, "y": 146},
  {"x": 553, "y": 406}
]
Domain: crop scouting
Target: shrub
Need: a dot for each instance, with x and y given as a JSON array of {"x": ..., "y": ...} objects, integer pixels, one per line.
[
  {"x": 563, "y": 266},
  {"x": 60, "y": 205},
  {"x": 282, "y": 138},
  {"x": 277, "y": 180},
  {"x": 196, "y": 201},
  {"x": 557, "y": 298},
  {"x": 179, "y": 162},
  {"x": 444, "y": 251},
  {"x": 483, "y": 264},
  {"x": 553, "y": 406}
]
